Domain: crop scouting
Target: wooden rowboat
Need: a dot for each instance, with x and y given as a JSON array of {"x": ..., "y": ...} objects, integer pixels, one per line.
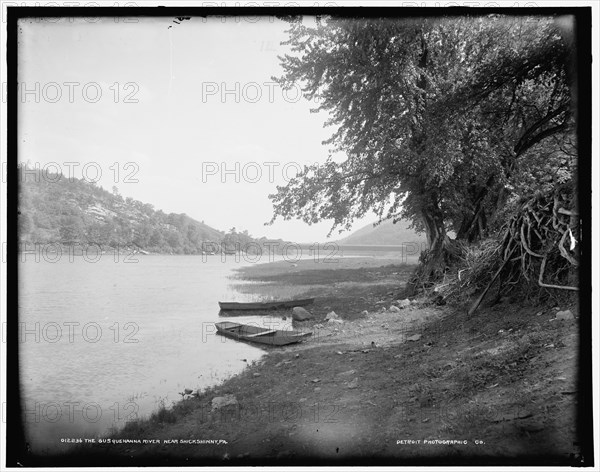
[
  {"x": 225, "y": 306},
  {"x": 273, "y": 337}
]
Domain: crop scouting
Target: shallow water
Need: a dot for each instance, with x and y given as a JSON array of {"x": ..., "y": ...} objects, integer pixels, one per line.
[{"x": 106, "y": 342}]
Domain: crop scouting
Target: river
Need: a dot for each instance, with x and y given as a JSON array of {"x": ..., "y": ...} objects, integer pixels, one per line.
[{"x": 109, "y": 341}]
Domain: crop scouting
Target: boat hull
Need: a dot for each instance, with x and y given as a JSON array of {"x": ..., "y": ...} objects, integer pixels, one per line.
[
  {"x": 233, "y": 306},
  {"x": 254, "y": 334}
]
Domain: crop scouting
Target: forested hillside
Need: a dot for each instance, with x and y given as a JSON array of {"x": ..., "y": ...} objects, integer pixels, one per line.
[
  {"x": 386, "y": 233},
  {"x": 57, "y": 209}
]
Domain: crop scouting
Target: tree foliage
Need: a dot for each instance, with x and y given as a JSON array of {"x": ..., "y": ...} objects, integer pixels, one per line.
[{"x": 443, "y": 121}]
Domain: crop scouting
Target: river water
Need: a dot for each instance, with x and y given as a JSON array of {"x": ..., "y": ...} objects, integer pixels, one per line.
[{"x": 106, "y": 342}]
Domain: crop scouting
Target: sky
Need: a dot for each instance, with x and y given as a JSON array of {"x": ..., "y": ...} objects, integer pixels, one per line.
[{"x": 183, "y": 116}]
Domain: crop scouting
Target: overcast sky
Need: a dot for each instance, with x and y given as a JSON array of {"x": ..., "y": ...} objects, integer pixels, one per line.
[{"x": 177, "y": 107}]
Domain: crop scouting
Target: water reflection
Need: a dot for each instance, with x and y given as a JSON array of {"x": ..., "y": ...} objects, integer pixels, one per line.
[{"x": 106, "y": 342}]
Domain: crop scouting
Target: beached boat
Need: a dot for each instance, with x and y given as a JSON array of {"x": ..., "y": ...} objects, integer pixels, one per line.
[
  {"x": 265, "y": 305},
  {"x": 273, "y": 337}
]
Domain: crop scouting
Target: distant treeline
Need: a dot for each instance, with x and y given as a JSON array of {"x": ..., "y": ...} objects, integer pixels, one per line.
[{"x": 56, "y": 209}]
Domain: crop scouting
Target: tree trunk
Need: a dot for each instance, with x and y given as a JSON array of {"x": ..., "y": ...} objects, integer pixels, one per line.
[
  {"x": 434, "y": 227},
  {"x": 441, "y": 250},
  {"x": 474, "y": 225},
  {"x": 433, "y": 261}
]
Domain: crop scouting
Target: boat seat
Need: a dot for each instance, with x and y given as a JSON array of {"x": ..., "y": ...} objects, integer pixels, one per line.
[{"x": 271, "y": 331}]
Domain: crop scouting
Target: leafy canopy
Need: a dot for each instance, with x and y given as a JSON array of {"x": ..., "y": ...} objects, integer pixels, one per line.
[{"x": 439, "y": 120}]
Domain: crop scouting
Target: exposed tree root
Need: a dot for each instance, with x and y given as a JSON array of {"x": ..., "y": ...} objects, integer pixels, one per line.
[{"x": 540, "y": 241}]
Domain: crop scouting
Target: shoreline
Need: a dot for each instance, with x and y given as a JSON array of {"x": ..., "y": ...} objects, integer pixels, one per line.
[{"x": 373, "y": 384}]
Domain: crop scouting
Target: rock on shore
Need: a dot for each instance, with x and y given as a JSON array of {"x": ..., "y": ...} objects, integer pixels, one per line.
[
  {"x": 300, "y": 314},
  {"x": 225, "y": 400}
]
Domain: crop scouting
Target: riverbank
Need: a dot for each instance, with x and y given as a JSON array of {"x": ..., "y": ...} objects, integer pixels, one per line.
[{"x": 382, "y": 385}]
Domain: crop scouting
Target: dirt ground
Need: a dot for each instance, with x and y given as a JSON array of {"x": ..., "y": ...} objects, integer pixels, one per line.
[{"x": 423, "y": 385}]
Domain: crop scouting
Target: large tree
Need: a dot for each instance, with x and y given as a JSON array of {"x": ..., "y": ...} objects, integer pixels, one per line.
[{"x": 433, "y": 117}]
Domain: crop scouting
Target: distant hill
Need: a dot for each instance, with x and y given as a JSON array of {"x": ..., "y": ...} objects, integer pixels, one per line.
[
  {"x": 67, "y": 211},
  {"x": 384, "y": 234}
]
